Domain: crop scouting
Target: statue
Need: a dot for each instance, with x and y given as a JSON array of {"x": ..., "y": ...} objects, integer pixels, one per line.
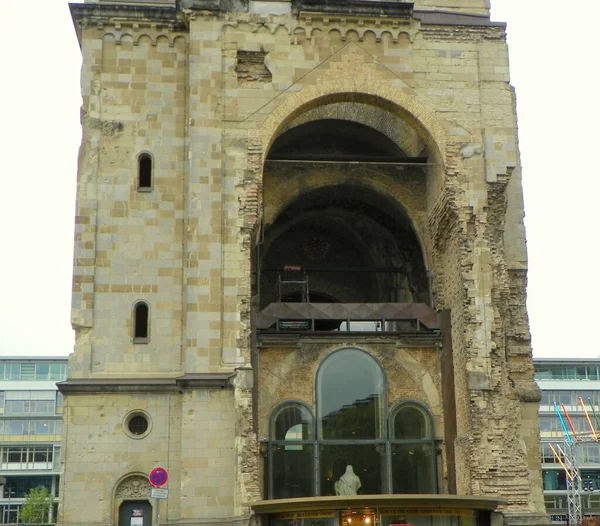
[{"x": 348, "y": 484}]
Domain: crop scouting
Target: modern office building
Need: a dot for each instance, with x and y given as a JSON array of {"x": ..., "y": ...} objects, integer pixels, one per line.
[
  {"x": 300, "y": 268},
  {"x": 565, "y": 382},
  {"x": 30, "y": 430}
]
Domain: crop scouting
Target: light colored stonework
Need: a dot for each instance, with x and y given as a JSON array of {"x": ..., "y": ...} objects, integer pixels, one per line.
[{"x": 188, "y": 87}]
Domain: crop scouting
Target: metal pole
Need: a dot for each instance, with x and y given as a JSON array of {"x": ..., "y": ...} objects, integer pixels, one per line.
[
  {"x": 157, "y": 503},
  {"x": 573, "y": 485}
]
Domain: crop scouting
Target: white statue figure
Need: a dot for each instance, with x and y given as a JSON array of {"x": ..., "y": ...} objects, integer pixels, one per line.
[{"x": 348, "y": 484}]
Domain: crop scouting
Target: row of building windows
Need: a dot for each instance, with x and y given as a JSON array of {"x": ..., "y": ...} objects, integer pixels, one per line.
[
  {"x": 566, "y": 372},
  {"x": 551, "y": 424},
  {"x": 33, "y": 371},
  {"x": 571, "y": 399},
  {"x": 556, "y": 480},
  {"x": 30, "y": 402},
  {"x": 9, "y": 513},
  {"x": 21, "y": 427},
  {"x": 589, "y": 501},
  {"x": 586, "y": 454},
  {"x": 17, "y": 458},
  {"x": 18, "y": 487}
]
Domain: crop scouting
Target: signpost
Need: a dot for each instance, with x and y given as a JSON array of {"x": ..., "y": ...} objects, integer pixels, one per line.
[
  {"x": 159, "y": 493},
  {"x": 158, "y": 477}
]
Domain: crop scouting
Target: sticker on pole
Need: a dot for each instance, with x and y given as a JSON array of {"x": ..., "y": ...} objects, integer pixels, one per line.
[{"x": 158, "y": 477}]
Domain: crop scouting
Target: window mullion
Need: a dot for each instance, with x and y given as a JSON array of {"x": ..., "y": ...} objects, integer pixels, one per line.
[
  {"x": 388, "y": 454},
  {"x": 270, "y": 470},
  {"x": 317, "y": 470}
]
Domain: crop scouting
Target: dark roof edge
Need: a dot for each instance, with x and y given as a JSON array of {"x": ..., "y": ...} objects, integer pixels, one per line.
[
  {"x": 356, "y": 7},
  {"x": 167, "y": 14},
  {"x": 26, "y": 358},
  {"x": 566, "y": 361},
  {"x": 452, "y": 18},
  {"x": 134, "y": 385}
]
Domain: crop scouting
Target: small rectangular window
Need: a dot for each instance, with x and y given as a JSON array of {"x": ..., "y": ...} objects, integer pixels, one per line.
[
  {"x": 57, "y": 371},
  {"x": 15, "y": 455},
  {"x": 144, "y": 172},
  {"x": 41, "y": 371},
  {"x": 13, "y": 371}
]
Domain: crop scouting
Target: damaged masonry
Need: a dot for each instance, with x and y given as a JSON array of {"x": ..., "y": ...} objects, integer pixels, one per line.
[{"x": 300, "y": 268}]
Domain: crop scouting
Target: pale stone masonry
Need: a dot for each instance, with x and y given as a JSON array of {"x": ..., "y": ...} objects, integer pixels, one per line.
[{"x": 212, "y": 90}]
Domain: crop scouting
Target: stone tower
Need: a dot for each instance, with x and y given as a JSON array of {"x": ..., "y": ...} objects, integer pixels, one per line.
[{"x": 299, "y": 262}]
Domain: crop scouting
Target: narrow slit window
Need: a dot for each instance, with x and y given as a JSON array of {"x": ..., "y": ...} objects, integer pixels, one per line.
[
  {"x": 144, "y": 172},
  {"x": 141, "y": 322}
]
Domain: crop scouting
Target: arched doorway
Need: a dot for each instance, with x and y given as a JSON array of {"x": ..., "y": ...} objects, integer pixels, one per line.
[
  {"x": 131, "y": 501},
  {"x": 135, "y": 513}
]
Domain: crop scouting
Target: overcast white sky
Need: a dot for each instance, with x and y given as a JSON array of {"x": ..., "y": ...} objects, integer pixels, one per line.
[{"x": 554, "y": 66}]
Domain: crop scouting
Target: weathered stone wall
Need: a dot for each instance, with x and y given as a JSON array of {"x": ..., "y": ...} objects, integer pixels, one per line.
[
  {"x": 289, "y": 373},
  {"x": 190, "y": 435},
  {"x": 99, "y": 452},
  {"x": 129, "y": 244},
  {"x": 189, "y": 88}
]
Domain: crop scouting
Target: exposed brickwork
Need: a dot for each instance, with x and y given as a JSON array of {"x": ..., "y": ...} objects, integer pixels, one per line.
[{"x": 206, "y": 94}]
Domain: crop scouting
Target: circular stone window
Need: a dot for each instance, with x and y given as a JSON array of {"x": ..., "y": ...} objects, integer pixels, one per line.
[{"x": 137, "y": 424}]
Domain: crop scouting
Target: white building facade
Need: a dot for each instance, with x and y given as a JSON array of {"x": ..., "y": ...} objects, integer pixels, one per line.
[
  {"x": 565, "y": 382},
  {"x": 30, "y": 430}
]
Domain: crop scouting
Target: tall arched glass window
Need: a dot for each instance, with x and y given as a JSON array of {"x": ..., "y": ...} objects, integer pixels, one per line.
[
  {"x": 145, "y": 172},
  {"x": 141, "y": 322},
  {"x": 353, "y": 447},
  {"x": 412, "y": 449},
  {"x": 351, "y": 411},
  {"x": 292, "y": 452}
]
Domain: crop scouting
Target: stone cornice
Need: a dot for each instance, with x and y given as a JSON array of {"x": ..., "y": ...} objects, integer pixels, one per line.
[
  {"x": 420, "y": 502},
  {"x": 158, "y": 17},
  {"x": 403, "y": 341},
  {"x": 145, "y": 385}
]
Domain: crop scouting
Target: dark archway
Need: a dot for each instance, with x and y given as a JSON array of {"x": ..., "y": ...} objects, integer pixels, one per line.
[
  {"x": 349, "y": 242},
  {"x": 334, "y": 140},
  {"x": 135, "y": 513},
  {"x": 353, "y": 245}
]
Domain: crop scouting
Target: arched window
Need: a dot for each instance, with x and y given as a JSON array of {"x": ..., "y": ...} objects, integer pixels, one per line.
[
  {"x": 141, "y": 322},
  {"x": 144, "y": 172},
  {"x": 351, "y": 410},
  {"x": 353, "y": 447},
  {"x": 292, "y": 452},
  {"x": 413, "y": 449}
]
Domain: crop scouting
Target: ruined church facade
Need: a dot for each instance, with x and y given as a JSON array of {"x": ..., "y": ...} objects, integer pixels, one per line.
[{"x": 299, "y": 256}]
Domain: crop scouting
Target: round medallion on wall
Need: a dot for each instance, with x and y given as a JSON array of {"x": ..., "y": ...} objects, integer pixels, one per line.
[{"x": 137, "y": 424}]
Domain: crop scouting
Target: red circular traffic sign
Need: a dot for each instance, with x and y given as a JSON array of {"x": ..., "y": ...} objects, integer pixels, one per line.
[{"x": 158, "y": 477}]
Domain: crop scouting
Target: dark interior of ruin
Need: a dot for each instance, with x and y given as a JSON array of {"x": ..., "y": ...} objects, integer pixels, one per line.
[{"x": 343, "y": 243}]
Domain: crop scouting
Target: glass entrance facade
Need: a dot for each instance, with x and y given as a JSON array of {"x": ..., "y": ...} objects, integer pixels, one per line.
[{"x": 356, "y": 444}]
